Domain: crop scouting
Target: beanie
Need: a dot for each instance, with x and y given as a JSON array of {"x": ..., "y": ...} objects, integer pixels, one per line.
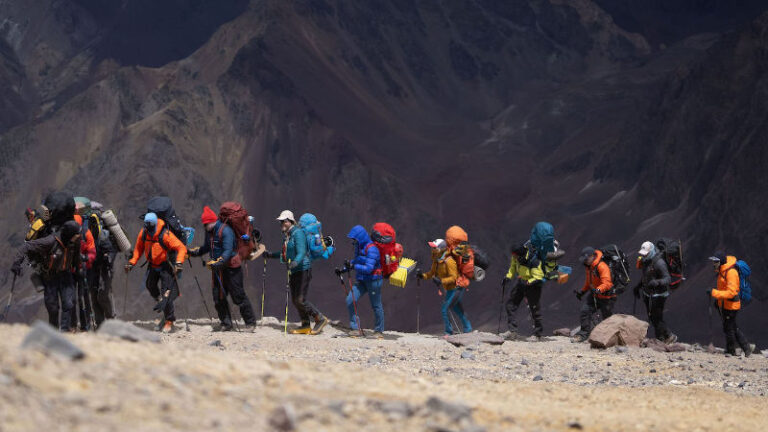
[{"x": 208, "y": 216}]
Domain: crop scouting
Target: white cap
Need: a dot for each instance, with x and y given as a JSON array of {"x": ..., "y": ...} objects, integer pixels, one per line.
[
  {"x": 645, "y": 248},
  {"x": 286, "y": 214},
  {"x": 437, "y": 244}
]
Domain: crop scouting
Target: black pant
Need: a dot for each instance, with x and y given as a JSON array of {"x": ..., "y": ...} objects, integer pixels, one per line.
[
  {"x": 532, "y": 293},
  {"x": 591, "y": 305},
  {"x": 654, "y": 306},
  {"x": 59, "y": 287},
  {"x": 732, "y": 333},
  {"x": 100, "y": 287},
  {"x": 82, "y": 306},
  {"x": 299, "y": 282},
  {"x": 232, "y": 281},
  {"x": 164, "y": 276}
]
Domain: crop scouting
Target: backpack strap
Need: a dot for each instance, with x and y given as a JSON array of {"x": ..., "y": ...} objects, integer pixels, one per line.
[{"x": 378, "y": 270}]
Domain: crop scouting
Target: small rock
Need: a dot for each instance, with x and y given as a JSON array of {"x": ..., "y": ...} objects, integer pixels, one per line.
[
  {"x": 470, "y": 339},
  {"x": 652, "y": 371},
  {"x": 467, "y": 355},
  {"x": 562, "y": 332},
  {"x": 691, "y": 381},
  {"x": 42, "y": 337},
  {"x": 268, "y": 321},
  {"x": 396, "y": 409},
  {"x": 216, "y": 343},
  {"x": 454, "y": 410},
  {"x": 444, "y": 357},
  {"x": 538, "y": 378},
  {"x": 621, "y": 349},
  {"x": 127, "y": 331},
  {"x": 575, "y": 425},
  {"x": 524, "y": 362},
  {"x": 374, "y": 360},
  {"x": 283, "y": 418}
]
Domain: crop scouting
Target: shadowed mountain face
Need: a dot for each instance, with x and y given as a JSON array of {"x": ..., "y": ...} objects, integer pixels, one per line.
[{"x": 490, "y": 115}]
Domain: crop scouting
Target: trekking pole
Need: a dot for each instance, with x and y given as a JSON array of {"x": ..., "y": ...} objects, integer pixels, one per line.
[
  {"x": 501, "y": 305},
  {"x": 418, "y": 303},
  {"x": 709, "y": 310},
  {"x": 354, "y": 302},
  {"x": 354, "y": 305},
  {"x": 89, "y": 300},
  {"x": 4, "y": 315},
  {"x": 287, "y": 295},
  {"x": 125, "y": 294},
  {"x": 263, "y": 286},
  {"x": 226, "y": 302},
  {"x": 178, "y": 288},
  {"x": 202, "y": 296}
]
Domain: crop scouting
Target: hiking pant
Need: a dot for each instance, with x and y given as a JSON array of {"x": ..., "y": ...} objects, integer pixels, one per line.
[
  {"x": 655, "y": 308},
  {"x": 82, "y": 304},
  {"x": 164, "y": 276},
  {"x": 100, "y": 287},
  {"x": 59, "y": 287},
  {"x": 733, "y": 334},
  {"x": 373, "y": 289},
  {"x": 232, "y": 281},
  {"x": 532, "y": 293},
  {"x": 452, "y": 302},
  {"x": 299, "y": 283},
  {"x": 590, "y": 307}
]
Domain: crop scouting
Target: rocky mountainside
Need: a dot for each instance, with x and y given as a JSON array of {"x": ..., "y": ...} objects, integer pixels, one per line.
[
  {"x": 270, "y": 381},
  {"x": 491, "y": 115}
]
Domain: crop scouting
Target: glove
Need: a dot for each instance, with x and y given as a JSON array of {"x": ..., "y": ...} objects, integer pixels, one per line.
[
  {"x": 215, "y": 264},
  {"x": 419, "y": 274},
  {"x": 178, "y": 267},
  {"x": 596, "y": 292},
  {"x": 293, "y": 264},
  {"x": 195, "y": 251},
  {"x": 337, "y": 271},
  {"x": 16, "y": 270},
  {"x": 636, "y": 291},
  {"x": 437, "y": 282},
  {"x": 709, "y": 292},
  {"x": 579, "y": 294},
  {"x": 504, "y": 282},
  {"x": 128, "y": 267}
]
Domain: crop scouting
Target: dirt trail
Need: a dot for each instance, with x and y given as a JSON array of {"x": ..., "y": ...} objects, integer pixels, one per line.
[{"x": 203, "y": 380}]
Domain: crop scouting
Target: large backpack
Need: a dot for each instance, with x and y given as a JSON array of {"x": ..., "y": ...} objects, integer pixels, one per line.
[
  {"x": 233, "y": 214},
  {"x": 163, "y": 208},
  {"x": 745, "y": 286},
  {"x": 672, "y": 252},
  {"x": 390, "y": 252},
  {"x": 619, "y": 266},
  {"x": 318, "y": 247},
  {"x": 60, "y": 208},
  {"x": 543, "y": 239},
  {"x": 471, "y": 261}
]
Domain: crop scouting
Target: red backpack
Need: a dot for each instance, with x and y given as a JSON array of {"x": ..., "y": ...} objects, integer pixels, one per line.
[
  {"x": 233, "y": 214},
  {"x": 383, "y": 235}
]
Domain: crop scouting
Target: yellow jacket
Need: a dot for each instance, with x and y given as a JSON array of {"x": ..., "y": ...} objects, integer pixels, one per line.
[
  {"x": 527, "y": 274},
  {"x": 445, "y": 268}
]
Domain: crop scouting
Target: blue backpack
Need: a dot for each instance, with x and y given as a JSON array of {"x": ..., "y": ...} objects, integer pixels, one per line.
[
  {"x": 318, "y": 247},
  {"x": 543, "y": 239},
  {"x": 745, "y": 286}
]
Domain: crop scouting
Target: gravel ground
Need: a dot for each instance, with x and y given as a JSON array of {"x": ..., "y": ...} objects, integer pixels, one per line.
[{"x": 204, "y": 380}]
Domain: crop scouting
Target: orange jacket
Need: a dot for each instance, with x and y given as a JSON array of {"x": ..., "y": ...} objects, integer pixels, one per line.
[
  {"x": 728, "y": 285},
  {"x": 155, "y": 252},
  {"x": 87, "y": 244},
  {"x": 599, "y": 278}
]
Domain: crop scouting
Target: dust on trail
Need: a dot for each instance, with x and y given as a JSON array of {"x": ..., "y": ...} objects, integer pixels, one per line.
[{"x": 204, "y": 380}]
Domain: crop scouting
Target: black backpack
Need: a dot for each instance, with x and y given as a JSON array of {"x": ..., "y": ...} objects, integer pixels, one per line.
[
  {"x": 60, "y": 207},
  {"x": 481, "y": 258},
  {"x": 163, "y": 208},
  {"x": 672, "y": 252},
  {"x": 619, "y": 266}
]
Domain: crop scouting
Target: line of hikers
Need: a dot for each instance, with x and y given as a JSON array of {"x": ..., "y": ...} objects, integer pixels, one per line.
[{"x": 72, "y": 244}]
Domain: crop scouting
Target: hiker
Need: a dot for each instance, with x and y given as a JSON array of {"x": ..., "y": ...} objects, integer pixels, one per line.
[
  {"x": 444, "y": 273},
  {"x": 653, "y": 289},
  {"x": 525, "y": 266},
  {"x": 155, "y": 241},
  {"x": 60, "y": 251},
  {"x": 101, "y": 272},
  {"x": 295, "y": 255},
  {"x": 87, "y": 258},
  {"x": 598, "y": 288},
  {"x": 728, "y": 301},
  {"x": 226, "y": 273},
  {"x": 368, "y": 275}
]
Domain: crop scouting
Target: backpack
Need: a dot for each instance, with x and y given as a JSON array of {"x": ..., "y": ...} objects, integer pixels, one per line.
[
  {"x": 745, "y": 286},
  {"x": 672, "y": 252},
  {"x": 384, "y": 237},
  {"x": 619, "y": 266},
  {"x": 61, "y": 259},
  {"x": 543, "y": 239},
  {"x": 465, "y": 261},
  {"x": 233, "y": 214},
  {"x": 60, "y": 207},
  {"x": 317, "y": 246},
  {"x": 163, "y": 208}
]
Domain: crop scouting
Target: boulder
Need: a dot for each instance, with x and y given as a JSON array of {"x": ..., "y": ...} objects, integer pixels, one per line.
[
  {"x": 618, "y": 329},
  {"x": 127, "y": 331},
  {"x": 44, "y": 338},
  {"x": 562, "y": 332},
  {"x": 468, "y": 339}
]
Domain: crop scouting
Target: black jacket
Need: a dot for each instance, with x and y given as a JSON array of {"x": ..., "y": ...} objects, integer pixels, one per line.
[
  {"x": 47, "y": 251},
  {"x": 656, "y": 278}
]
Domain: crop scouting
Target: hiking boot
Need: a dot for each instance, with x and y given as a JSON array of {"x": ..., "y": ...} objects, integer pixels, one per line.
[
  {"x": 578, "y": 338},
  {"x": 378, "y": 335},
  {"x": 250, "y": 328},
  {"x": 304, "y": 329},
  {"x": 672, "y": 338},
  {"x": 533, "y": 338},
  {"x": 355, "y": 333},
  {"x": 223, "y": 328},
  {"x": 750, "y": 349},
  {"x": 509, "y": 335},
  {"x": 320, "y": 322},
  {"x": 167, "y": 327}
]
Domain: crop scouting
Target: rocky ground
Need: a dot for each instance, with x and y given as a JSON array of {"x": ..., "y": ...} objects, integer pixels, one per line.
[{"x": 204, "y": 380}]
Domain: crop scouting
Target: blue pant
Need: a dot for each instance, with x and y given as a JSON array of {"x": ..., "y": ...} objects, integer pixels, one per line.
[
  {"x": 373, "y": 288},
  {"x": 452, "y": 302}
]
